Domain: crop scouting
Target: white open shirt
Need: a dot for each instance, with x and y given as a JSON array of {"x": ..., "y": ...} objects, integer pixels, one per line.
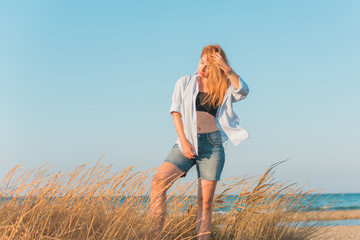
[{"x": 183, "y": 101}]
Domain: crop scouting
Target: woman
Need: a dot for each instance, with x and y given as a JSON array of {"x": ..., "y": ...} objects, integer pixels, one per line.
[{"x": 204, "y": 119}]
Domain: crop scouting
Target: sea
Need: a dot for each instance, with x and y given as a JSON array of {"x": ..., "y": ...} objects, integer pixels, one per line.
[
  {"x": 318, "y": 202},
  {"x": 313, "y": 202},
  {"x": 324, "y": 202},
  {"x": 338, "y": 201}
]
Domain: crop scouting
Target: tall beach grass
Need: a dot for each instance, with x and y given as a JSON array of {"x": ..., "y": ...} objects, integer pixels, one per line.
[{"x": 98, "y": 203}]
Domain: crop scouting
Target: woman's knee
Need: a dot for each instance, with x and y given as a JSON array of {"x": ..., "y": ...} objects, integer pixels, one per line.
[
  {"x": 206, "y": 204},
  {"x": 157, "y": 181},
  {"x": 160, "y": 182}
]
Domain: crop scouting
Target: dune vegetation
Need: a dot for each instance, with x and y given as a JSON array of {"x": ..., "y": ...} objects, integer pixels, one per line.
[{"x": 99, "y": 203}]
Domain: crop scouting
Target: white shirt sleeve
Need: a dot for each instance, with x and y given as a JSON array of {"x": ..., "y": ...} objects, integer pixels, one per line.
[
  {"x": 177, "y": 95},
  {"x": 241, "y": 93}
]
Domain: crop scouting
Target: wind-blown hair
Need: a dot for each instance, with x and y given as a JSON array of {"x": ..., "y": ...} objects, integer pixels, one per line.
[{"x": 217, "y": 82}]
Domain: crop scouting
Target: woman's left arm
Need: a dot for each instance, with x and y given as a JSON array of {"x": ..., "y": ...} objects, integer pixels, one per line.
[{"x": 239, "y": 87}]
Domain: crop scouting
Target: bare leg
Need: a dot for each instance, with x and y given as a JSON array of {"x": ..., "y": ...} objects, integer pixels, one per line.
[
  {"x": 206, "y": 191},
  {"x": 161, "y": 182}
]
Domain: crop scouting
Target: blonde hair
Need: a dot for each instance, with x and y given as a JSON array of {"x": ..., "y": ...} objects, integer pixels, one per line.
[{"x": 217, "y": 82}]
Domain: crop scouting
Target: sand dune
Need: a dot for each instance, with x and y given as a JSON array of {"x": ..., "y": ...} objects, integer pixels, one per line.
[
  {"x": 328, "y": 215},
  {"x": 335, "y": 232},
  {"x": 338, "y": 233}
]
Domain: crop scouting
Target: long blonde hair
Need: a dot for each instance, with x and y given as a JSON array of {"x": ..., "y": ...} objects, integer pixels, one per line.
[{"x": 217, "y": 82}]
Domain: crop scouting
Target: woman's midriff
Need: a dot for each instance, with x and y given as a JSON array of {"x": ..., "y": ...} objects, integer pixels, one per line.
[{"x": 205, "y": 122}]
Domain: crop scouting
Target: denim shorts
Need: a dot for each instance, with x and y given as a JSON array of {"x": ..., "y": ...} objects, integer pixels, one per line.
[{"x": 211, "y": 159}]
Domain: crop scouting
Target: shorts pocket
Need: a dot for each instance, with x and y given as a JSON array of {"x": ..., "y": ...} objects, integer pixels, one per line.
[{"x": 215, "y": 139}]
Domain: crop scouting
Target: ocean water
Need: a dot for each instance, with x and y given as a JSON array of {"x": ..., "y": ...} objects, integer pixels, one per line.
[
  {"x": 343, "y": 201},
  {"x": 313, "y": 202},
  {"x": 324, "y": 202}
]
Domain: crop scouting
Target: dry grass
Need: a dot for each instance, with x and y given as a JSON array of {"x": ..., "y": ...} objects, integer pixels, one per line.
[{"x": 84, "y": 204}]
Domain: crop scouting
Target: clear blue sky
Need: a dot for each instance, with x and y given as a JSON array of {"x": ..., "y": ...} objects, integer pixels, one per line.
[{"x": 83, "y": 78}]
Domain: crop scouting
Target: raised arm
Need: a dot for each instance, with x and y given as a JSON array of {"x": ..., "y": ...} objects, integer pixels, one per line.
[{"x": 239, "y": 89}]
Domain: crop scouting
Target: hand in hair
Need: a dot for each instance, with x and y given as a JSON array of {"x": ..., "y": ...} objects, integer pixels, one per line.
[{"x": 217, "y": 58}]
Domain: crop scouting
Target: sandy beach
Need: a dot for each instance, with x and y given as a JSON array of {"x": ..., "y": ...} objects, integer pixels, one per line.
[
  {"x": 338, "y": 232},
  {"x": 334, "y": 232},
  {"x": 328, "y": 215}
]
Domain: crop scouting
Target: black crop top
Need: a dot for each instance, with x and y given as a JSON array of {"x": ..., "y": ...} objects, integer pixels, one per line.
[{"x": 206, "y": 107}]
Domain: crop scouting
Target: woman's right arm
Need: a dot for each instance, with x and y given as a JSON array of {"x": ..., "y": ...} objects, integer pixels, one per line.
[
  {"x": 188, "y": 149},
  {"x": 175, "y": 111}
]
